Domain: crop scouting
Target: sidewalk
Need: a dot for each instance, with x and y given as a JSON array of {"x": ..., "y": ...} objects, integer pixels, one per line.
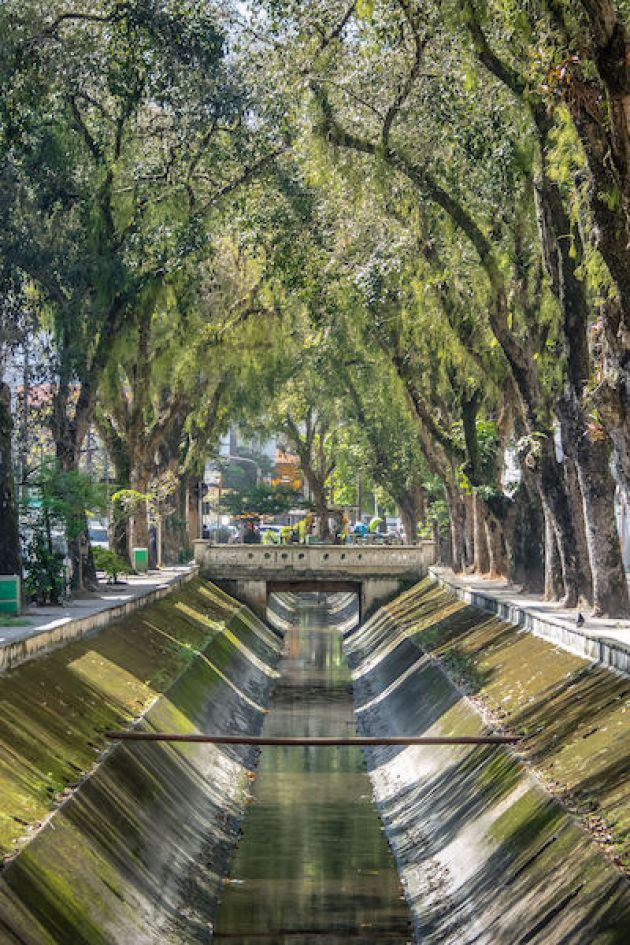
[
  {"x": 40, "y": 629},
  {"x": 604, "y": 640}
]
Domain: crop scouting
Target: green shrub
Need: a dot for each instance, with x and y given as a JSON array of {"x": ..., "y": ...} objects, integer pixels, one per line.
[
  {"x": 109, "y": 562},
  {"x": 45, "y": 573}
]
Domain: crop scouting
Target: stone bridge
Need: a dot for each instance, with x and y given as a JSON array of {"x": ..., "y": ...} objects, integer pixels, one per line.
[{"x": 376, "y": 573}]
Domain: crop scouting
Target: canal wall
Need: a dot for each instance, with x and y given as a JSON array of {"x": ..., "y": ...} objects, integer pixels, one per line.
[
  {"x": 605, "y": 641},
  {"x": 487, "y": 854},
  {"x": 19, "y": 644},
  {"x": 136, "y": 848}
]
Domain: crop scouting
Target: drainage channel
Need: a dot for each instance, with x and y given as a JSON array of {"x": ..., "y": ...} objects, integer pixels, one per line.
[{"x": 313, "y": 865}]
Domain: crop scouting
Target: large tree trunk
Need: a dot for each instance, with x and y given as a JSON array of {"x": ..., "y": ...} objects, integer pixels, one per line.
[
  {"x": 193, "y": 521},
  {"x": 119, "y": 536},
  {"x": 482, "y": 557},
  {"x": 140, "y": 518},
  {"x": 523, "y": 529},
  {"x": 175, "y": 536},
  {"x": 553, "y": 567},
  {"x": 408, "y": 517},
  {"x": 120, "y": 529},
  {"x": 321, "y": 510},
  {"x": 412, "y": 510},
  {"x": 613, "y": 403},
  {"x": 456, "y": 513},
  {"x": 574, "y": 495},
  {"x": 597, "y": 487},
  {"x": 601, "y": 113},
  {"x": 320, "y": 501},
  {"x": 602, "y": 121},
  {"x": 469, "y": 530},
  {"x": 497, "y": 552},
  {"x": 9, "y": 529},
  {"x": 610, "y": 587},
  {"x": 589, "y": 481},
  {"x": 442, "y": 544},
  {"x": 550, "y": 479},
  {"x": 612, "y": 394}
]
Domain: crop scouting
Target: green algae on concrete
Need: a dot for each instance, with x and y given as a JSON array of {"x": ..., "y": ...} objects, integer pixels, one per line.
[
  {"x": 136, "y": 854},
  {"x": 485, "y": 853},
  {"x": 54, "y": 710},
  {"x": 573, "y": 716}
]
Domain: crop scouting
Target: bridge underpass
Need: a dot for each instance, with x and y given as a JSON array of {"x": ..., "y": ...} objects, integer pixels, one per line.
[{"x": 376, "y": 574}]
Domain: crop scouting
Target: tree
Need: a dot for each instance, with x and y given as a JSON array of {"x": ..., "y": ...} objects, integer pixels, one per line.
[
  {"x": 119, "y": 141},
  {"x": 314, "y": 219},
  {"x": 57, "y": 498},
  {"x": 399, "y": 126},
  {"x": 586, "y": 444},
  {"x": 390, "y": 450},
  {"x": 306, "y": 417},
  {"x": 9, "y": 532},
  {"x": 9, "y": 334},
  {"x": 262, "y": 499}
]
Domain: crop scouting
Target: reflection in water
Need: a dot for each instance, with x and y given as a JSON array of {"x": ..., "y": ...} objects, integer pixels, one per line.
[{"x": 313, "y": 865}]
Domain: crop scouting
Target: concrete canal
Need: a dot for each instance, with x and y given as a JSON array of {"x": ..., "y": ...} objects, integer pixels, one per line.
[
  {"x": 184, "y": 844},
  {"x": 313, "y": 865}
]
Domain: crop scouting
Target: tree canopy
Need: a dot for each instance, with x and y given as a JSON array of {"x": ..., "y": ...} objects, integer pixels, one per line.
[{"x": 393, "y": 232}]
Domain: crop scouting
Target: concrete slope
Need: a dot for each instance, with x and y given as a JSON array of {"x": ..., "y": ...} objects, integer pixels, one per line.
[
  {"x": 486, "y": 855},
  {"x": 137, "y": 854}
]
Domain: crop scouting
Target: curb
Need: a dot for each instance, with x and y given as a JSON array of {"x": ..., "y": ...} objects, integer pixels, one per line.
[
  {"x": 43, "y": 641},
  {"x": 611, "y": 654}
]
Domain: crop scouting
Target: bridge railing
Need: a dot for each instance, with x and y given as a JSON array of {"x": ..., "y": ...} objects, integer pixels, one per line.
[{"x": 314, "y": 558}]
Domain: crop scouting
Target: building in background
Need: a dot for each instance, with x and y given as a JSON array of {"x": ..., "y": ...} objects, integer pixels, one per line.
[{"x": 242, "y": 462}]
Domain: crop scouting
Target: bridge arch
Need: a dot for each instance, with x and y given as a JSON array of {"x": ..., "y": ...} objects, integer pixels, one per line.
[{"x": 376, "y": 573}]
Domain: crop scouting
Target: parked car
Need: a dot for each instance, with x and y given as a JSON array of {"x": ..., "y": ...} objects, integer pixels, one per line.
[
  {"x": 98, "y": 534},
  {"x": 395, "y": 535}
]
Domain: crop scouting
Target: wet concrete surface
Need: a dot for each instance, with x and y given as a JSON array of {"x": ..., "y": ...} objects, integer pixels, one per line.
[
  {"x": 486, "y": 855},
  {"x": 313, "y": 865},
  {"x": 137, "y": 854}
]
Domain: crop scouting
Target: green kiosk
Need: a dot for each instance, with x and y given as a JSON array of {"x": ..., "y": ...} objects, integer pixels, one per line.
[
  {"x": 140, "y": 560},
  {"x": 9, "y": 594}
]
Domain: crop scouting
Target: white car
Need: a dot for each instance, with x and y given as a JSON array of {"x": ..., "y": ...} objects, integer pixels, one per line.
[{"x": 97, "y": 532}]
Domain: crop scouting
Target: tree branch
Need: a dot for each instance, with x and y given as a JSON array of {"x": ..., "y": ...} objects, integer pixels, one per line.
[
  {"x": 93, "y": 147},
  {"x": 209, "y": 423},
  {"x": 486, "y": 55},
  {"x": 49, "y": 31},
  {"x": 333, "y": 34},
  {"x": 524, "y": 373},
  {"x": 603, "y": 19},
  {"x": 406, "y": 86},
  {"x": 89, "y": 384},
  {"x": 247, "y": 174},
  {"x": 294, "y": 434}
]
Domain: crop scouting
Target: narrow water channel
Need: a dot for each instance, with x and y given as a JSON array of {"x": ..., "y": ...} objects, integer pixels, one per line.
[{"x": 313, "y": 866}]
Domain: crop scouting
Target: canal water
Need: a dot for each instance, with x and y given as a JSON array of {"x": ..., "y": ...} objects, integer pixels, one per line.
[{"x": 313, "y": 866}]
